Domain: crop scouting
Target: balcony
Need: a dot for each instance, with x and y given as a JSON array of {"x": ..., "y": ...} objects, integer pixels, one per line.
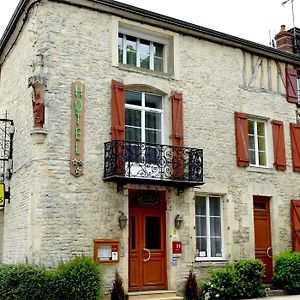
[{"x": 137, "y": 162}]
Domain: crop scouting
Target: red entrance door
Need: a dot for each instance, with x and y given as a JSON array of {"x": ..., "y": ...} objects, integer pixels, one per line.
[
  {"x": 147, "y": 241},
  {"x": 262, "y": 229}
]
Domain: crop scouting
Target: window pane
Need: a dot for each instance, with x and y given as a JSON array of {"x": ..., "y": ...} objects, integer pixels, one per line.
[
  {"x": 251, "y": 127},
  {"x": 215, "y": 226},
  {"x": 153, "y": 136},
  {"x": 201, "y": 247},
  {"x": 152, "y": 225},
  {"x": 261, "y": 143},
  {"x": 252, "y": 157},
  {"x": 153, "y": 120},
  {"x": 158, "y": 64},
  {"x": 214, "y": 206},
  {"x": 131, "y": 50},
  {"x": 120, "y": 47},
  {"x": 158, "y": 50},
  {"x": 133, "y": 98},
  {"x": 216, "y": 247},
  {"x": 260, "y": 129},
  {"x": 200, "y": 206},
  {"x": 133, "y": 134},
  {"x": 201, "y": 226},
  {"x": 262, "y": 158},
  {"x": 132, "y": 117},
  {"x": 145, "y": 54},
  {"x": 153, "y": 101},
  {"x": 251, "y": 142}
]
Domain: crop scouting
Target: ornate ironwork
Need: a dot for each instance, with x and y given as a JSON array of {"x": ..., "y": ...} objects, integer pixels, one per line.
[
  {"x": 6, "y": 140},
  {"x": 162, "y": 164}
]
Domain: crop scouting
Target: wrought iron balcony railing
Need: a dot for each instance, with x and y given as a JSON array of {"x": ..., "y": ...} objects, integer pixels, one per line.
[{"x": 128, "y": 161}]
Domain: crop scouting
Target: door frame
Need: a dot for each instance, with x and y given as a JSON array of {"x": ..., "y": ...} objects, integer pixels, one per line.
[{"x": 154, "y": 206}]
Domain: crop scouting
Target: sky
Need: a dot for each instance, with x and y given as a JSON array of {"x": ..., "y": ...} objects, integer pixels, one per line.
[{"x": 254, "y": 20}]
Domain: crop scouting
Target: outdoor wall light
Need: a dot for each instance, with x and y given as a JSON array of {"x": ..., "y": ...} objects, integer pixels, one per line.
[
  {"x": 122, "y": 220},
  {"x": 178, "y": 221}
]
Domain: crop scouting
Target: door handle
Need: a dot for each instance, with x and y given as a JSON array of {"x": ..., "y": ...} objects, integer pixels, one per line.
[
  {"x": 149, "y": 253},
  {"x": 268, "y": 252}
]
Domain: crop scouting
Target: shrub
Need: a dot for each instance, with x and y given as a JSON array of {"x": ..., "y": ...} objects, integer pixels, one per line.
[
  {"x": 78, "y": 279},
  {"x": 242, "y": 279},
  {"x": 286, "y": 272},
  {"x": 191, "y": 288},
  {"x": 117, "y": 292}
]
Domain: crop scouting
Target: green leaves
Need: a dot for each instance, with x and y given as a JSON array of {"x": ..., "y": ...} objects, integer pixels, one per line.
[
  {"x": 242, "y": 279},
  {"x": 80, "y": 279},
  {"x": 287, "y": 272}
]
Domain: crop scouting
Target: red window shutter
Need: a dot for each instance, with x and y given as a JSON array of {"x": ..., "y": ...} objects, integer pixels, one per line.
[
  {"x": 295, "y": 144},
  {"x": 295, "y": 222},
  {"x": 177, "y": 136},
  {"x": 177, "y": 119},
  {"x": 291, "y": 85},
  {"x": 118, "y": 110},
  {"x": 279, "y": 145},
  {"x": 241, "y": 139}
]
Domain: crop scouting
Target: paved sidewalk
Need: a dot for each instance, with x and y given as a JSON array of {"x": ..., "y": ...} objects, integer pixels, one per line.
[{"x": 285, "y": 297}]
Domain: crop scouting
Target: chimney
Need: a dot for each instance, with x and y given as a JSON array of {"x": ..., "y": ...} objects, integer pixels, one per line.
[{"x": 284, "y": 40}]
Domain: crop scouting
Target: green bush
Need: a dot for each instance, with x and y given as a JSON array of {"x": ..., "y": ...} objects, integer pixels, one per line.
[
  {"x": 287, "y": 272},
  {"x": 81, "y": 279},
  {"x": 242, "y": 279}
]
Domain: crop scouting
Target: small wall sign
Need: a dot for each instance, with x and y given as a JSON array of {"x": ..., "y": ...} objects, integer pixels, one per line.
[
  {"x": 2, "y": 195},
  {"x": 176, "y": 249},
  {"x": 106, "y": 251},
  {"x": 77, "y": 128}
]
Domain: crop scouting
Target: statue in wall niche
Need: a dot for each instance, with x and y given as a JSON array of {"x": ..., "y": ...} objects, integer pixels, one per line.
[{"x": 38, "y": 110}]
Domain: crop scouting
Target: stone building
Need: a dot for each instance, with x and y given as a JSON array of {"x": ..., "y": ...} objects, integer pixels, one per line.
[{"x": 152, "y": 144}]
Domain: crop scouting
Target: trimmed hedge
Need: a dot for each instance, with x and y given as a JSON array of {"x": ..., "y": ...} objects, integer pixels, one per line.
[
  {"x": 287, "y": 272},
  {"x": 81, "y": 279},
  {"x": 242, "y": 279}
]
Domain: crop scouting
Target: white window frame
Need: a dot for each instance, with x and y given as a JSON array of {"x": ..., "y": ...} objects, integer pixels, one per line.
[
  {"x": 255, "y": 120},
  {"x": 143, "y": 109},
  {"x": 298, "y": 87},
  {"x": 208, "y": 243},
  {"x": 152, "y": 40}
]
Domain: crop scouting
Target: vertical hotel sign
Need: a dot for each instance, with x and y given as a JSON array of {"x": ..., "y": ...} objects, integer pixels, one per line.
[
  {"x": 77, "y": 128},
  {"x": 2, "y": 195}
]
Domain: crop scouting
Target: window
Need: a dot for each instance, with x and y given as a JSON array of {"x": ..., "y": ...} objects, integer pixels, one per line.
[
  {"x": 257, "y": 142},
  {"x": 142, "y": 51},
  {"x": 143, "y": 123},
  {"x": 209, "y": 228},
  {"x": 298, "y": 87}
]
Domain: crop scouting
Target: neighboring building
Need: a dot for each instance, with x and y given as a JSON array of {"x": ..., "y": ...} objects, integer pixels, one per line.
[{"x": 111, "y": 107}]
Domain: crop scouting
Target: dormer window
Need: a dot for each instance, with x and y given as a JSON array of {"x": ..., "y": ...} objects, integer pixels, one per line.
[{"x": 142, "y": 51}]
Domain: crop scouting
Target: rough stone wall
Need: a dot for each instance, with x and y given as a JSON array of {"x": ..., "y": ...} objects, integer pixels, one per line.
[{"x": 53, "y": 215}]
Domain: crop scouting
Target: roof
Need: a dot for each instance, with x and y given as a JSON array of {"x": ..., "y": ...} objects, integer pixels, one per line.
[{"x": 151, "y": 18}]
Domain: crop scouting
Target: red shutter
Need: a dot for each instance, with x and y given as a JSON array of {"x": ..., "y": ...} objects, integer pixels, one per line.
[
  {"x": 291, "y": 85},
  {"x": 295, "y": 144},
  {"x": 118, "y": 126},
  {"x": 241, "y": 139},
  {"x": 118, "y": 111},
  {"x": 279, "y": 145},
  {"x": 295, "y": 222},
  {"x": 177, "y": 136},
  {"x": 177, "y": 119}
]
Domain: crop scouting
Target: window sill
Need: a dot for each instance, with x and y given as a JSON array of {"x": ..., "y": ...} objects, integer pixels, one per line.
[
  {"x": 265, "y": 170},
  {"x": 144, "y": 71},
  {"x": 209, "y": 262}
]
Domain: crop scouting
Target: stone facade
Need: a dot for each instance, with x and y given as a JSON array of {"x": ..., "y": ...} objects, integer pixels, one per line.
[{"x": 53, "y": 215}]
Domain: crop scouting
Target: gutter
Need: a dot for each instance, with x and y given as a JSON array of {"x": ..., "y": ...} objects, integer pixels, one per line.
[{"x": 151, "y": 18}]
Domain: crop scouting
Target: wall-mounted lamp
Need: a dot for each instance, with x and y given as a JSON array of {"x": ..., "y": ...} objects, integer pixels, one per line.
[
  {"x": 122, "y": 220},
  {"x": 178, "y": 221}
]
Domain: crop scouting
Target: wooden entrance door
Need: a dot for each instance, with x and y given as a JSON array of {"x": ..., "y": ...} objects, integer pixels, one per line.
[
  {"x": 147, "y": 241},
  {"x": 262, "y": 229}
]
